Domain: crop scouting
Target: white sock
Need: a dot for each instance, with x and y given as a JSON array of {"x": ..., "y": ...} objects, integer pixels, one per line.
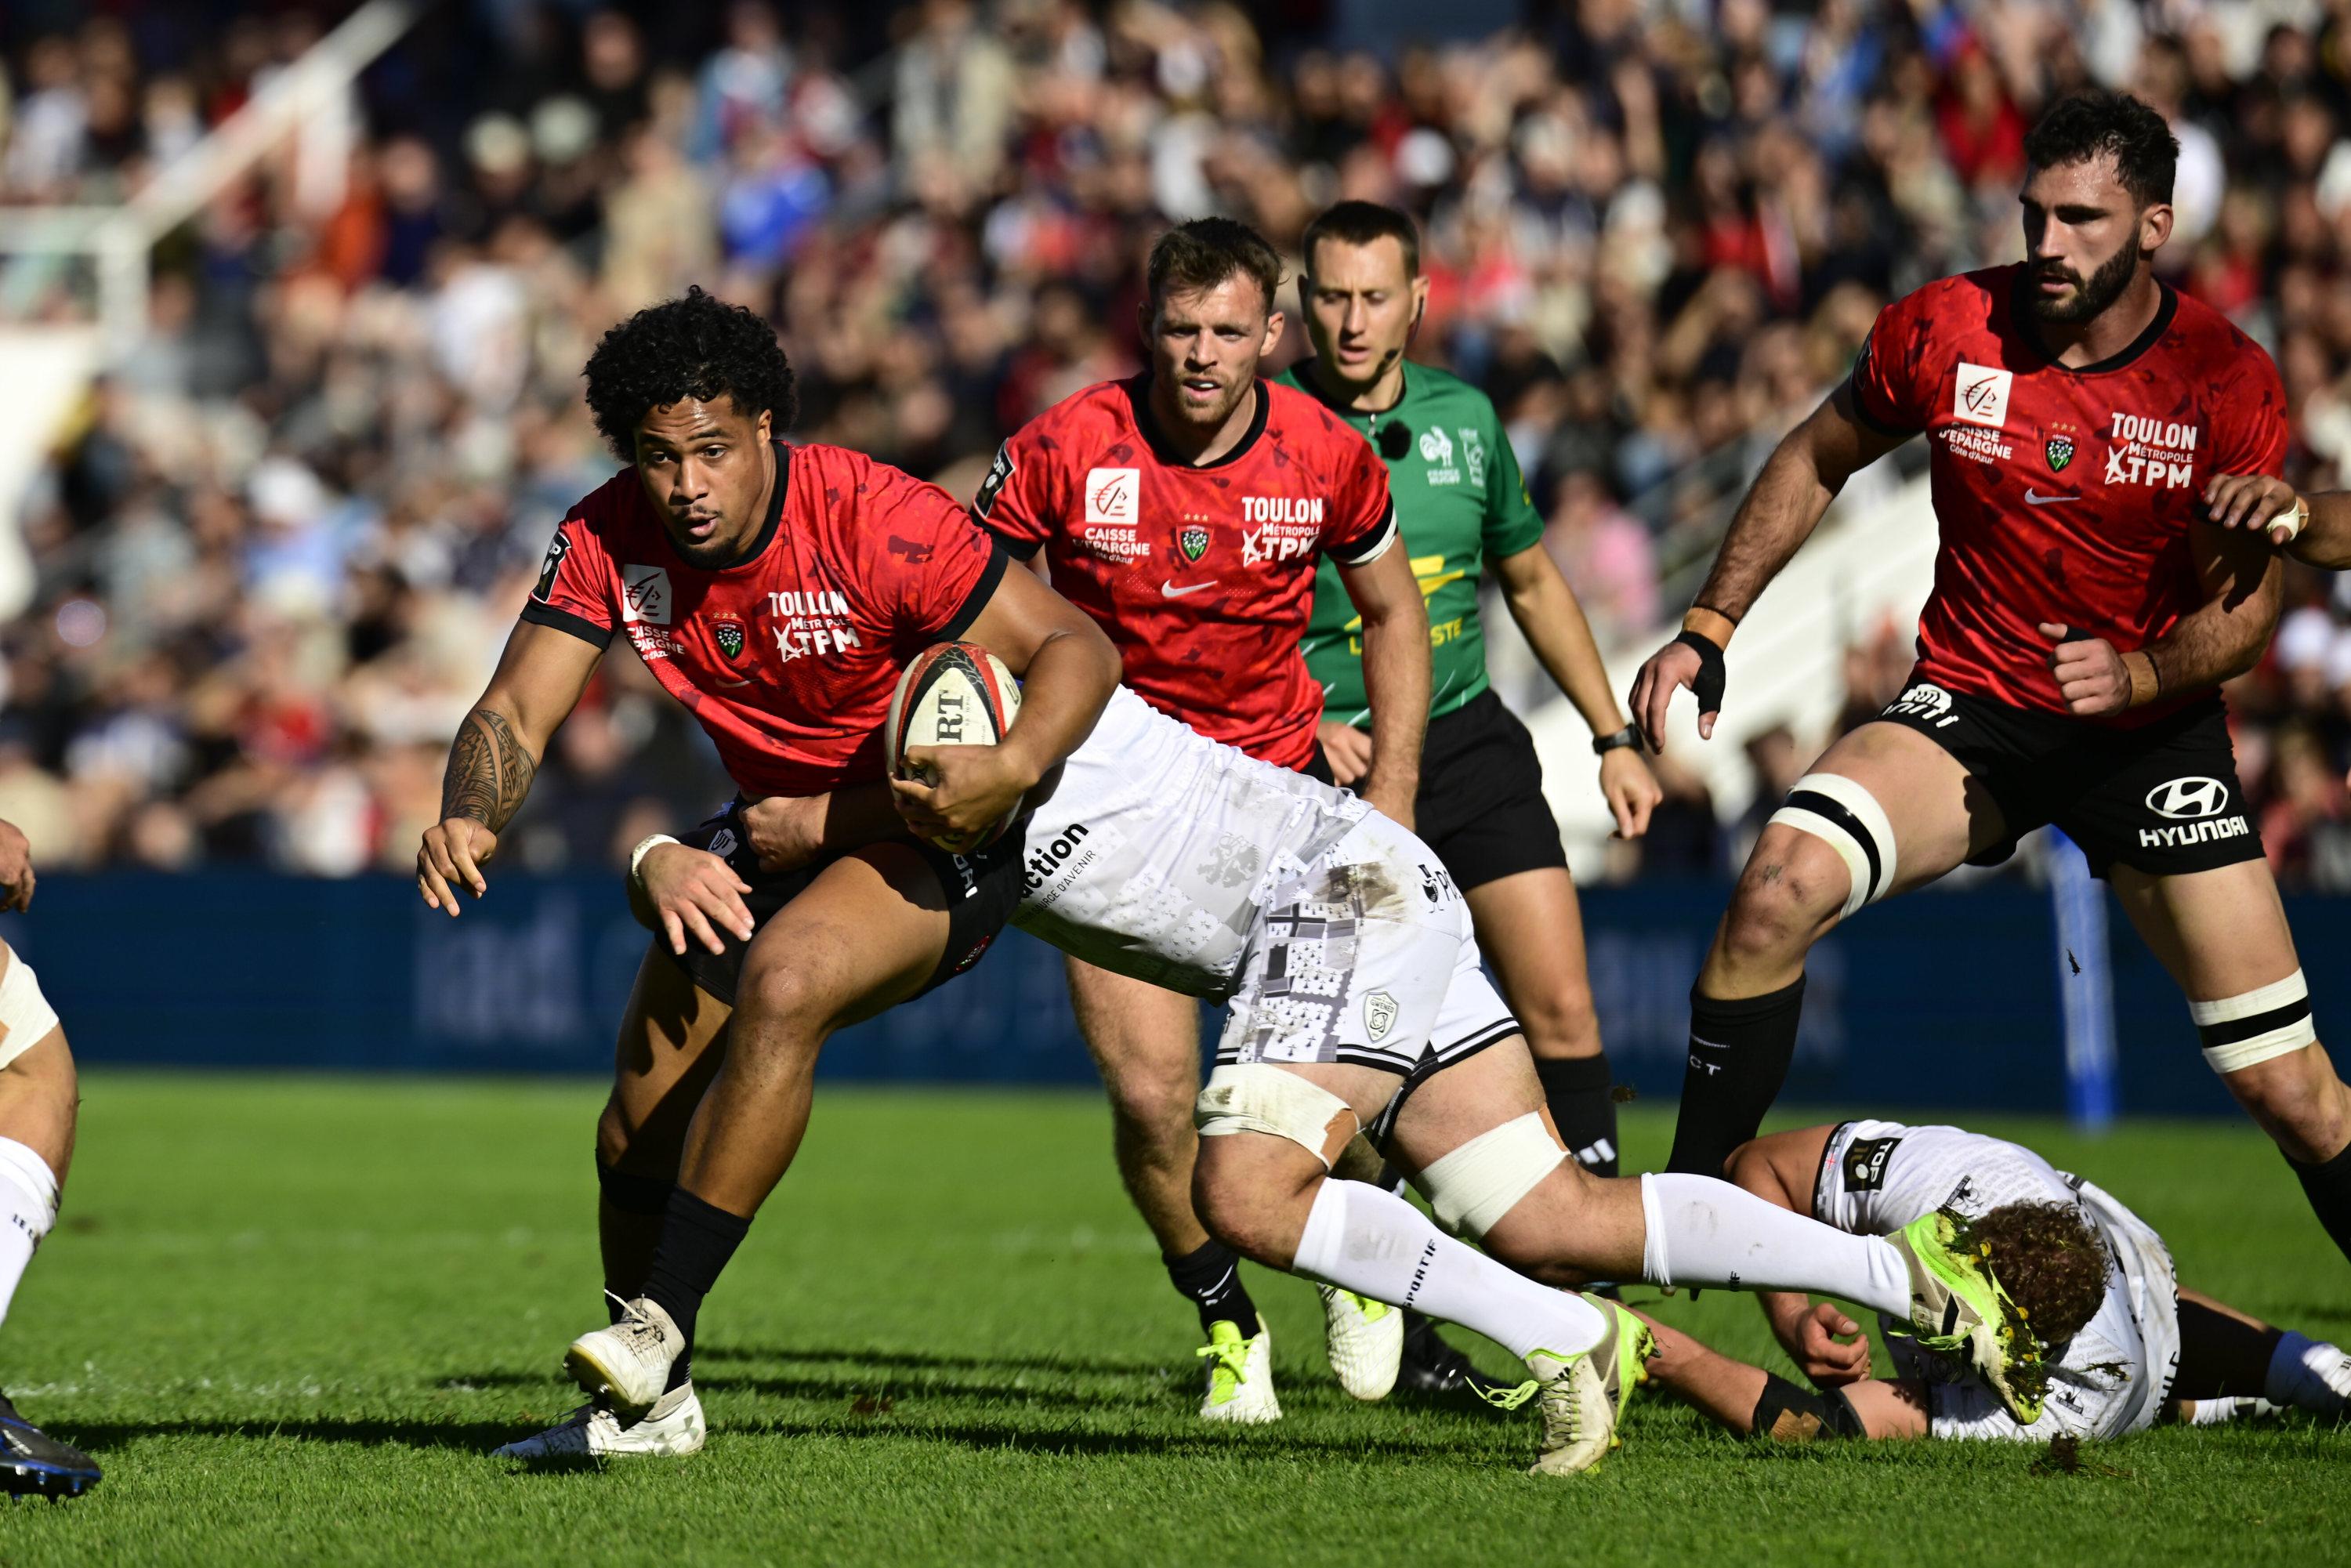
[
  {"x": 1702, "y": 1231},
  {"x": 1375, "y": 1244},
  {"x": 2309, "y": 1374},
  {"x": 28, "y": 1206}
]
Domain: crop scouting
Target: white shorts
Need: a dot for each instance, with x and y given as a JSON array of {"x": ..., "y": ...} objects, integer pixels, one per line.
[{"x": 1366, "y": 958}]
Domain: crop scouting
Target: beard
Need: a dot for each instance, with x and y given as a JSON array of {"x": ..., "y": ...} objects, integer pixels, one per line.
[
  {"x": 2091, "y": 296},
  {"x": 1212, "y": 415}
]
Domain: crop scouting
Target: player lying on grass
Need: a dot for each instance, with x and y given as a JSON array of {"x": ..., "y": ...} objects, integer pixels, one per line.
[
  {"x": 40, "y": 1102},
  {"x": 2127, "y": 1345},
  {"x": 1356, "y": 1001}
]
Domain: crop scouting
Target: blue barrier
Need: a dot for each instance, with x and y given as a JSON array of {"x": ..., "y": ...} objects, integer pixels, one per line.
[{"x": 1942, "y": 998}]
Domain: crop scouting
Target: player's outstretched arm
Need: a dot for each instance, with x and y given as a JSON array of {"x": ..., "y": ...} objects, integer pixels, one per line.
[
  {"x": 1783, "y": 506},
  {"x": 2314, "y": 529},
  {"x": 1068, "y": 670},
  {"x": 1395, "y": 677},
  {"x": 495, "y": 755},
  {"x": 1546, "y": 610},
  {"x": 1749, "y": 1400}
]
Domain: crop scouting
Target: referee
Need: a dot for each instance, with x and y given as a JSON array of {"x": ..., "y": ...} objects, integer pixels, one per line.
[{"x": 1464, "y": 511}]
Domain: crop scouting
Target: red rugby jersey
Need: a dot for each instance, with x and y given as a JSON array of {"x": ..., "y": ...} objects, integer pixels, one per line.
[
  {"x": 2064, "y": 495},
  {"x": 787, "y": 657},
  {"x": 1202, "y": 575}
]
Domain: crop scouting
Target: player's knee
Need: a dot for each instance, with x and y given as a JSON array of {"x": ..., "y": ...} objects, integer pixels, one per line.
[
  {"x": 779, "y": 1003},
  {"x": 2298, "y": 1102},
  {"x": 1791, "y": 892},
  {"x": 1252, "y": 1193},
  {"x": 1504, "y": 1189}
]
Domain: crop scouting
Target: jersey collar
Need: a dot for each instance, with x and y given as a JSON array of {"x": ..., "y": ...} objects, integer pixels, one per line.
[
  {"x": 767, "y": 534},
  {"x": 1310, "y": 379},
  {"x": 1138, "y": 398},
  {"x": 2019, "y": 311}
]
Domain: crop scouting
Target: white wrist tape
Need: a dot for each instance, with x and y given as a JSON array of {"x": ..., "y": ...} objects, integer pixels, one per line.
[
  {"x": 2244, "y": 1031},
  {"x": 637, "y": 856},
  {"x": 1472, "y": 1187}
]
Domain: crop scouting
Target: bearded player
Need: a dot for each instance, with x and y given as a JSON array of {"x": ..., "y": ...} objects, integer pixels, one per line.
[
  {"x": 1464, "y": 511},
  {"x": 777, "y": 593},
  {"x": 2095, "y": 1280},
  {"x": 2083, "y": 612},
  {"x": 1185, "y": 510}
]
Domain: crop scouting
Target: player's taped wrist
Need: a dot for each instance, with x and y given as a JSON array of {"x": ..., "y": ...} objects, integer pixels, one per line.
[
  {"x": 645, "y": 846},
  {"x": 1711, "y": 675},
  {"x": 2293, "y": 522},
  {"x": 2145, "y": 680}
]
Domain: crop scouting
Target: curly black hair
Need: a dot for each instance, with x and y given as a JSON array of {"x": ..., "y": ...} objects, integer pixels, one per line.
[
  {"x": 2086, "y": 124},
  {"x": 696, "y": 347}
]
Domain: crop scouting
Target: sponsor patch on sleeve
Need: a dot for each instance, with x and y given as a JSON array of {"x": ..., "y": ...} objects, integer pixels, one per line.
[{"x": 997, "y": 473}]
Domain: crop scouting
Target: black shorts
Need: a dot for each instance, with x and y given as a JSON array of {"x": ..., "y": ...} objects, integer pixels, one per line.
[
  {"x": 1481, "y": 805},
  {"x": 982, "y": 891},
  {"x": 2162, "y": 798}
]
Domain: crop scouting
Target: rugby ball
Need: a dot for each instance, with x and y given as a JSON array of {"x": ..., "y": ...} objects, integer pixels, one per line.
[{"x": 953, "y": 694}]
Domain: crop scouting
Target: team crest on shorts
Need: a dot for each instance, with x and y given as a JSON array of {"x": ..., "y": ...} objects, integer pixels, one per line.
[
  {"x": 1380, "y": 1011},
  {"x": 1193, "y": 540},
  {"x": 2060, "y": 451},
  {"x": 726, "y": 631}
]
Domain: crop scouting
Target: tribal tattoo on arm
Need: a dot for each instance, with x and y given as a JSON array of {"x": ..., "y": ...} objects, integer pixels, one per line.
[{"x": 489, "y": 771}]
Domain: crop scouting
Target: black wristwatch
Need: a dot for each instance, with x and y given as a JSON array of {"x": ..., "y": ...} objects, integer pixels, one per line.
[{"x": 1602, "y": 744}]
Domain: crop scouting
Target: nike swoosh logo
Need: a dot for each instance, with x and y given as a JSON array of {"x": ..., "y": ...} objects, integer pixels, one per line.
[
  {"x": 744, "y": 681},
  {"x": 2031, "y": 498},
  {"x": 1167, "y": 587}
]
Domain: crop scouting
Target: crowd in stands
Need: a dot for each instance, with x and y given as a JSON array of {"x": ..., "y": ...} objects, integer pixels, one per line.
[{"x": 275, "y": 553}]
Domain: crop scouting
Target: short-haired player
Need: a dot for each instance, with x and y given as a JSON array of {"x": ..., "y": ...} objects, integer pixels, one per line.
[
  {"x": 1186, "y": 509},
  {"x": 777, "y": 593},
  {"x": 1465, "y": 514},
  {"x": 2128, "y": 1346},
  {"x": 2085, "y": 610}
]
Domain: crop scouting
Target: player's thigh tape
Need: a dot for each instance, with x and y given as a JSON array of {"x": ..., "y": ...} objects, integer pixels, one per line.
[
  {"x": 1259, "y": 1097},
  {"x": 25, "y": 1013},
  {"x": 2240, "y": 1032},
  {"x": 1848, "y": 819},
  {"x": 1472, "y": 1187}
]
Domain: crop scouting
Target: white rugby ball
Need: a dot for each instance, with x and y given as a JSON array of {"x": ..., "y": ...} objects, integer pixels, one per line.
[{"x": 953, "y": 694}]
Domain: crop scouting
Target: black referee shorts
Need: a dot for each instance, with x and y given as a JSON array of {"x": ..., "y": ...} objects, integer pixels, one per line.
[
  {"x": 981, "y": 890},
  {"x": 2162, "y": 798},
  {"x": 1481, "y": 806}
]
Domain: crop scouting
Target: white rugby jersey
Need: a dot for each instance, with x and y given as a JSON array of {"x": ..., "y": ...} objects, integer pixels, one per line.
[
  {"x": 1158, "y": 849},
  {"x": 2113, "y": 1377}
]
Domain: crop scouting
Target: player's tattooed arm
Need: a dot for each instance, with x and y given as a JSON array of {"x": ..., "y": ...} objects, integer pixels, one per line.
[
  {"x": 496, "y": 754},
  {"x": 489, "y": 771}
]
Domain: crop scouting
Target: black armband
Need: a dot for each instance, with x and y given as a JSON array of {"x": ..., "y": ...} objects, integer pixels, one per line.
[
  {"x": 1787, "y": 1414},
  {"x": 1708, "y": 687}
]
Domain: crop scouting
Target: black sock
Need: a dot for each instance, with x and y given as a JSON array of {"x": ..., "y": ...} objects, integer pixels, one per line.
[
  {"x": 1738, "y": 1056},
  {"x": 698, "y": 1239},
  {"x": 2327, "y": 1184},
  {"x": 1581, "y": 1092},
  {"x": 1210, "y": 1279}
]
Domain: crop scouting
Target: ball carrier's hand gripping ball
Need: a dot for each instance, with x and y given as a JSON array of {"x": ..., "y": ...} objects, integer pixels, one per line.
[{"x": 953, "y": 694}]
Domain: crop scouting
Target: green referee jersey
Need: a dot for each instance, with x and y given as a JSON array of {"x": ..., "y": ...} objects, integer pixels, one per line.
[{"x": 1460, "y": 502}]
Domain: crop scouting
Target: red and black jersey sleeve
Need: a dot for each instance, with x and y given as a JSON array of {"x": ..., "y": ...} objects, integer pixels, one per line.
[
  {"x": 1895, "y": 379},
  {"x": 574, "y": 590},
  {"x": 1019, "y": 499},
  {"x": 927, "y": 570},
  {"x": 2250, "y": 419},
  {"x": 1361, "y": 521}
]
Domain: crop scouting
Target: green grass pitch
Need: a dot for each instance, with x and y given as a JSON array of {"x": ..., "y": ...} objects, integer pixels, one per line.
[{"x": 291, "y": 1316}]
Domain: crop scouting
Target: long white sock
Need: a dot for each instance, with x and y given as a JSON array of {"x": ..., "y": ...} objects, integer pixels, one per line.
[
  {"x": 1375, "y": 1244},
  {"x": 28, "y": 1206},
  {"x": 1702, "y": 1231},
  {"x": 2310, "y": 1375}
]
